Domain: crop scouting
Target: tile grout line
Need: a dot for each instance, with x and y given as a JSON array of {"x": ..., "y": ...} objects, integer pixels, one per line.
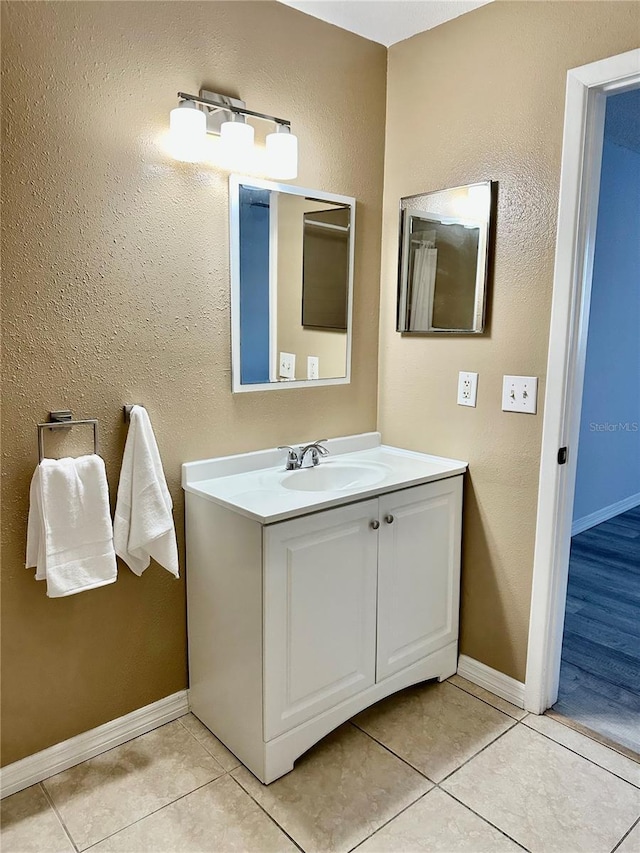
[
  {"x": 199, "y": 742},
  {"x": 67, "y": 831},
  {"x": 155, "y": 811},
  {"x": 513, "y": 721},
  {"x": 49, "y": 800},
  {"x": 476, "y": 754},
  {"x": 627, "y": 834},
  {"x": 391, "y": 819},
  {"x": 262, "y": 808},
  {"x": 517, "y": 723},
  {"x": 590, "y": 760},
  {"x": 413, "y": 802},
  {"x": 478, "y": 815},
  {"x": 391, "y": 752},
  {"x": 549, "y": 737},
  {"x": 486, "y": 702},
  {"x": 438, "y": 784}
]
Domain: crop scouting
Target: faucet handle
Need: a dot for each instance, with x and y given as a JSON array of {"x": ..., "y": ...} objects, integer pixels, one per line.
[
  {"x": 317, "y": 446},
  {"x": 316, "y": 449},
  {"x": 293, "y": 459}
]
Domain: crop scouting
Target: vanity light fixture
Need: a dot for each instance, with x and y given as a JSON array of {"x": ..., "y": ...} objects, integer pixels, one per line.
[{"x": 226, "y": 117}]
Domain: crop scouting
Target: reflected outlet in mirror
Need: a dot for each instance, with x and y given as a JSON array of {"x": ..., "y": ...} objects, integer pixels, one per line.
[{"x": 292, "y": 255}]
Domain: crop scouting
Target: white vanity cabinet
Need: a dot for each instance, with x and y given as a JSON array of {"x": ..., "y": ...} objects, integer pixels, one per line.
[
  {"x": 297, "y": 625},
  {"x": 320, "y": 580},
  {"x": 418, "y": 573}
]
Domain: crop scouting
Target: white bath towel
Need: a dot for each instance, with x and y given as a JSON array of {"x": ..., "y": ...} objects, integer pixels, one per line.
[
  {"x": 69, "y": 532},
  {"x": 143, "y": 524}
]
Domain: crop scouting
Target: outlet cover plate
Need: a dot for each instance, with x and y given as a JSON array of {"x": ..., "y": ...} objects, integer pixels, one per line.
[
  {"x": 467, "y": 388},
  {"x": 287, "y": 365},
  {"x": 313, "y": 367},
  {"x": 520, "y": 394}
]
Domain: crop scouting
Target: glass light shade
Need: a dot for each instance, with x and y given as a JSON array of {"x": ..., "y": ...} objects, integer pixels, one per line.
[
  {"x": 188, "y": 132},
  {"x": 236, "y": 144},
  {"x": 282, "y": 155}
]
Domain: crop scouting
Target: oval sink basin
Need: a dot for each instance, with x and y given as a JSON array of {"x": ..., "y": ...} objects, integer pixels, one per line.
[{"x": 333, "y": 476}]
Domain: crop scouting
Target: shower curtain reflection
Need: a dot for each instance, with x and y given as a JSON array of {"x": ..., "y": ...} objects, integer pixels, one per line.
[{"x": 423, "y": 280}]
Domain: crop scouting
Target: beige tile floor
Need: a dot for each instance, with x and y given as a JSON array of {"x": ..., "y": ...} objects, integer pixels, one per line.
[{"x": 439, "y": 767}]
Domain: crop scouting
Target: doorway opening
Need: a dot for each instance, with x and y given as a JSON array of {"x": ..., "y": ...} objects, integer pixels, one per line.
[
  {"x": 588, "y": 89},
  {"x": 600, "y": 665}
]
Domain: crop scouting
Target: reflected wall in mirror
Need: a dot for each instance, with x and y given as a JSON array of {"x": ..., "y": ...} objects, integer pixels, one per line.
[
  {"x": 292, "y": 255},
  {"x": 444, "y": 252}
]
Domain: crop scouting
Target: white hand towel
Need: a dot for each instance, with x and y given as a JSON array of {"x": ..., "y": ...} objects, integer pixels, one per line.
[
  {"x": 69, "y": 532},
  {"x": 143, "y": 525}
]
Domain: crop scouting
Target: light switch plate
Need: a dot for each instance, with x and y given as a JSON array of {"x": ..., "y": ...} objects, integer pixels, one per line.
[
  {"x": 287, "y": 365},
  {"x": 313, "y": 367},
  {"x": 520, "y": 394},
  {"x": 467, "y": 388}
]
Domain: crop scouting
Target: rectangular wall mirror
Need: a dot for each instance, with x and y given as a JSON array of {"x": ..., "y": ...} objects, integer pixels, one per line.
[
  {"x": 292, "y": 253},
  {"x": 444, "y": 251}
]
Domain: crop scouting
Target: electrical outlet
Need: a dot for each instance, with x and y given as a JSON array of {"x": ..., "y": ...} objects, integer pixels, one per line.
[
  {"x": 287, "y": 365},
  {"x": 313, "y": 367},
  {"x": 520, "y": 394},
  {"x": 467, "y": 388}
]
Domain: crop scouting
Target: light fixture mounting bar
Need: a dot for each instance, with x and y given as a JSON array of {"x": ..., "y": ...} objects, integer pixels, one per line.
[{"x": 232, "y": 109}]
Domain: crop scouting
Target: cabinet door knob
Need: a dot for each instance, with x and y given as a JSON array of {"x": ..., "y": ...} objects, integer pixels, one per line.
[
  {"x": 389, "y": 519},
  {"x": 374, "y": 524}
]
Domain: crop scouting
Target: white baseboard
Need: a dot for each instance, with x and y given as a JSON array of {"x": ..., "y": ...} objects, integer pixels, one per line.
[
  {"x": 587, "y": 521},
  {"x": 14, "y": 777},
  {"x": 495, "y": 682}
]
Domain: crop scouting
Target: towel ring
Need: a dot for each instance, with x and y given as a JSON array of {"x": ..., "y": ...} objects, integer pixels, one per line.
[{"x": 63, "y": 420}]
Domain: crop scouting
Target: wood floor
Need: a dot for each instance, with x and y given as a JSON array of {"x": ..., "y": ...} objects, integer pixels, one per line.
[{"x": 600, "y": 673}]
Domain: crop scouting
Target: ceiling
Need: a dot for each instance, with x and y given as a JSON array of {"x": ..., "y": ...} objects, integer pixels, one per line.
[{"x": 385, "y": 21}]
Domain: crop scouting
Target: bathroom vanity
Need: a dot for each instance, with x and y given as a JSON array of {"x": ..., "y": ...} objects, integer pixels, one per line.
[{"x": 313, "y": 594}]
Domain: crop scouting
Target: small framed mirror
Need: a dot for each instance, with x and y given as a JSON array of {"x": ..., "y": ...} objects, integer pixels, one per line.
[
  {"x": 443, "y": 266},
  {"x": 292, "y": 252}
]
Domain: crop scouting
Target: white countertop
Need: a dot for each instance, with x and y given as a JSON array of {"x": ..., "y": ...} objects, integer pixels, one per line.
[{"x": 252, "y": 483}]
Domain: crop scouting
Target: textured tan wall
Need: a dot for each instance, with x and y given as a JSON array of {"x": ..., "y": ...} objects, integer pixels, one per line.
[
  {"x": 116, "y": 290},
  {"x": 482, "y": 97}
]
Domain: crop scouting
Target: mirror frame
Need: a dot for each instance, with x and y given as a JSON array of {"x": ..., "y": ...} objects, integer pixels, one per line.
[
  {"x": 482, "y": 267},
  {"x": 235, "y": 182}
]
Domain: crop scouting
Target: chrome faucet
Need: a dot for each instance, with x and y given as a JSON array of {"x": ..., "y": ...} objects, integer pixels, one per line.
[{"x": 295, "y": 458}]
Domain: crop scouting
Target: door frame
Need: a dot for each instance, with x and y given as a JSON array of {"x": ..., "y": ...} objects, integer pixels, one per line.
[{"x": 586, "y": 92}]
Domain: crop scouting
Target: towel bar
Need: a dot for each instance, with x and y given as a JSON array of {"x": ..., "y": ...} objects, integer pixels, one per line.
[{"x": 63, "y": 420}]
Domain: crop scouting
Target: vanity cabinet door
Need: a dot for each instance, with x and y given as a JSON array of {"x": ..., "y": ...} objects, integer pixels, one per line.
[
  {"x": 418, "y": 573},
  {"x": 319, "y": 613}
]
